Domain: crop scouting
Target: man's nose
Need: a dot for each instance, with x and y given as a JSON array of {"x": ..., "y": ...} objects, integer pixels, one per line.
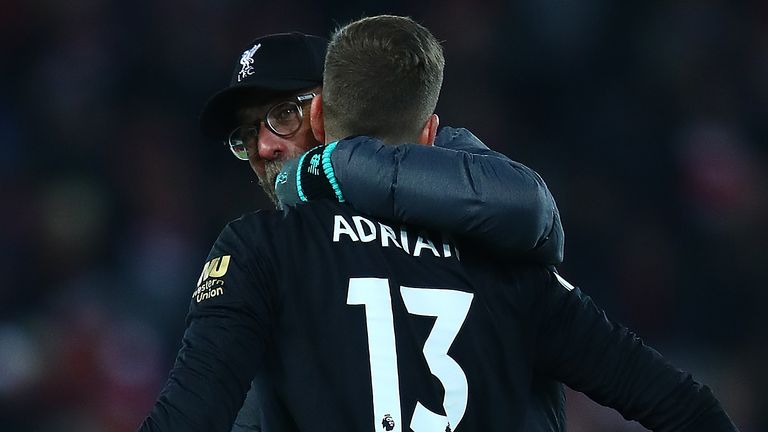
[{"x": 270, "y": 146}]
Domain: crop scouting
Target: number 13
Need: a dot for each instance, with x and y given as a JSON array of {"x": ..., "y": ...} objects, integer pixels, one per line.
[{"x": 451, "y": 308}]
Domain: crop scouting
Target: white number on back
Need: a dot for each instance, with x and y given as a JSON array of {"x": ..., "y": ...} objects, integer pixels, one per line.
[{"x": 450, "y": 307}]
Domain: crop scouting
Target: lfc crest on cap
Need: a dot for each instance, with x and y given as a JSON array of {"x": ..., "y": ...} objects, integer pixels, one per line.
[{"x": 247, "y": 60}]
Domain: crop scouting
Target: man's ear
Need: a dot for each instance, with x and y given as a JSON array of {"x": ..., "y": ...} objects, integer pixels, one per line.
[
  {"x": 428, "y": 134},
  {"x": 316, "y": 118}
]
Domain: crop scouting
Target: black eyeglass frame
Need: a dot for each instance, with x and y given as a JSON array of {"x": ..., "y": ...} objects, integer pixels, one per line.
[{"x": 238, "y": 146}]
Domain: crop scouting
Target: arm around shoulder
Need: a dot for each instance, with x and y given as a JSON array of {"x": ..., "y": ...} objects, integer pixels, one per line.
[{"x": 461, "y": 187}]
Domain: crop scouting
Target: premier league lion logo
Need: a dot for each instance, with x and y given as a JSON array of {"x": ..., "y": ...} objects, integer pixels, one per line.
[{"x": 388, "y": 423}]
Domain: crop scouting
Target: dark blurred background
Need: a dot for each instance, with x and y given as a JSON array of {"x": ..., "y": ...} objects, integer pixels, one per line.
[{"x": 647, "y": 120}]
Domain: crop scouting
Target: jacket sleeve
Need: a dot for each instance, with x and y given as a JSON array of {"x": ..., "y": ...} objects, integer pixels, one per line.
[
  {"x": 578, "y": 345},
  {"x": 222, "y": 347},
  {"x": 461, "y": 187}
]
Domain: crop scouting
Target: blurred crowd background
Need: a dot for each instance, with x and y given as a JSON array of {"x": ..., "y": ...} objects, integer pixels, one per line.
[{"x": 646, "y": 119}]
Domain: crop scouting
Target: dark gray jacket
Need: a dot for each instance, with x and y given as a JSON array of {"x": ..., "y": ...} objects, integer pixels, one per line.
[{"x": 458, "y": 186}]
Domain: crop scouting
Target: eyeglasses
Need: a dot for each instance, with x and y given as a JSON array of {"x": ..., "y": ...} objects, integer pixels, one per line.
[{"x": 282, "y": 119}]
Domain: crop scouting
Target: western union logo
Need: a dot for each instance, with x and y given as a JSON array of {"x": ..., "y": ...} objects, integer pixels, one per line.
[{"x": 214, "y": 268}]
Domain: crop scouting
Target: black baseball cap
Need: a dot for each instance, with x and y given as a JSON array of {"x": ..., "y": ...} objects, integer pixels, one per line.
[{"x": 270, "y": 65}]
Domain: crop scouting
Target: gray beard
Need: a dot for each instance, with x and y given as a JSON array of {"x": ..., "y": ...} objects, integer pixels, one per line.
[{"x": 267, "y": 182}]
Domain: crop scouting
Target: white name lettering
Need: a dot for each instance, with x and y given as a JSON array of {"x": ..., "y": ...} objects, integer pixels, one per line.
[
  {"x": 387, "y": 234},
  {"x": 364, "y": 230},
  {"x": 364, "y": 237},
  {"x": 341, "y": 226},
  {"x": 422, "y": 243}
]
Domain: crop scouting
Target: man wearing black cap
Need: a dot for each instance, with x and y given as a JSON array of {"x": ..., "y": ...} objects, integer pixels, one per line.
[{"x": 260, "y": 115}]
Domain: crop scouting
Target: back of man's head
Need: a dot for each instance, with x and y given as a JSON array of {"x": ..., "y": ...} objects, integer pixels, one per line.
[{"x": 382, "y": 78}]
